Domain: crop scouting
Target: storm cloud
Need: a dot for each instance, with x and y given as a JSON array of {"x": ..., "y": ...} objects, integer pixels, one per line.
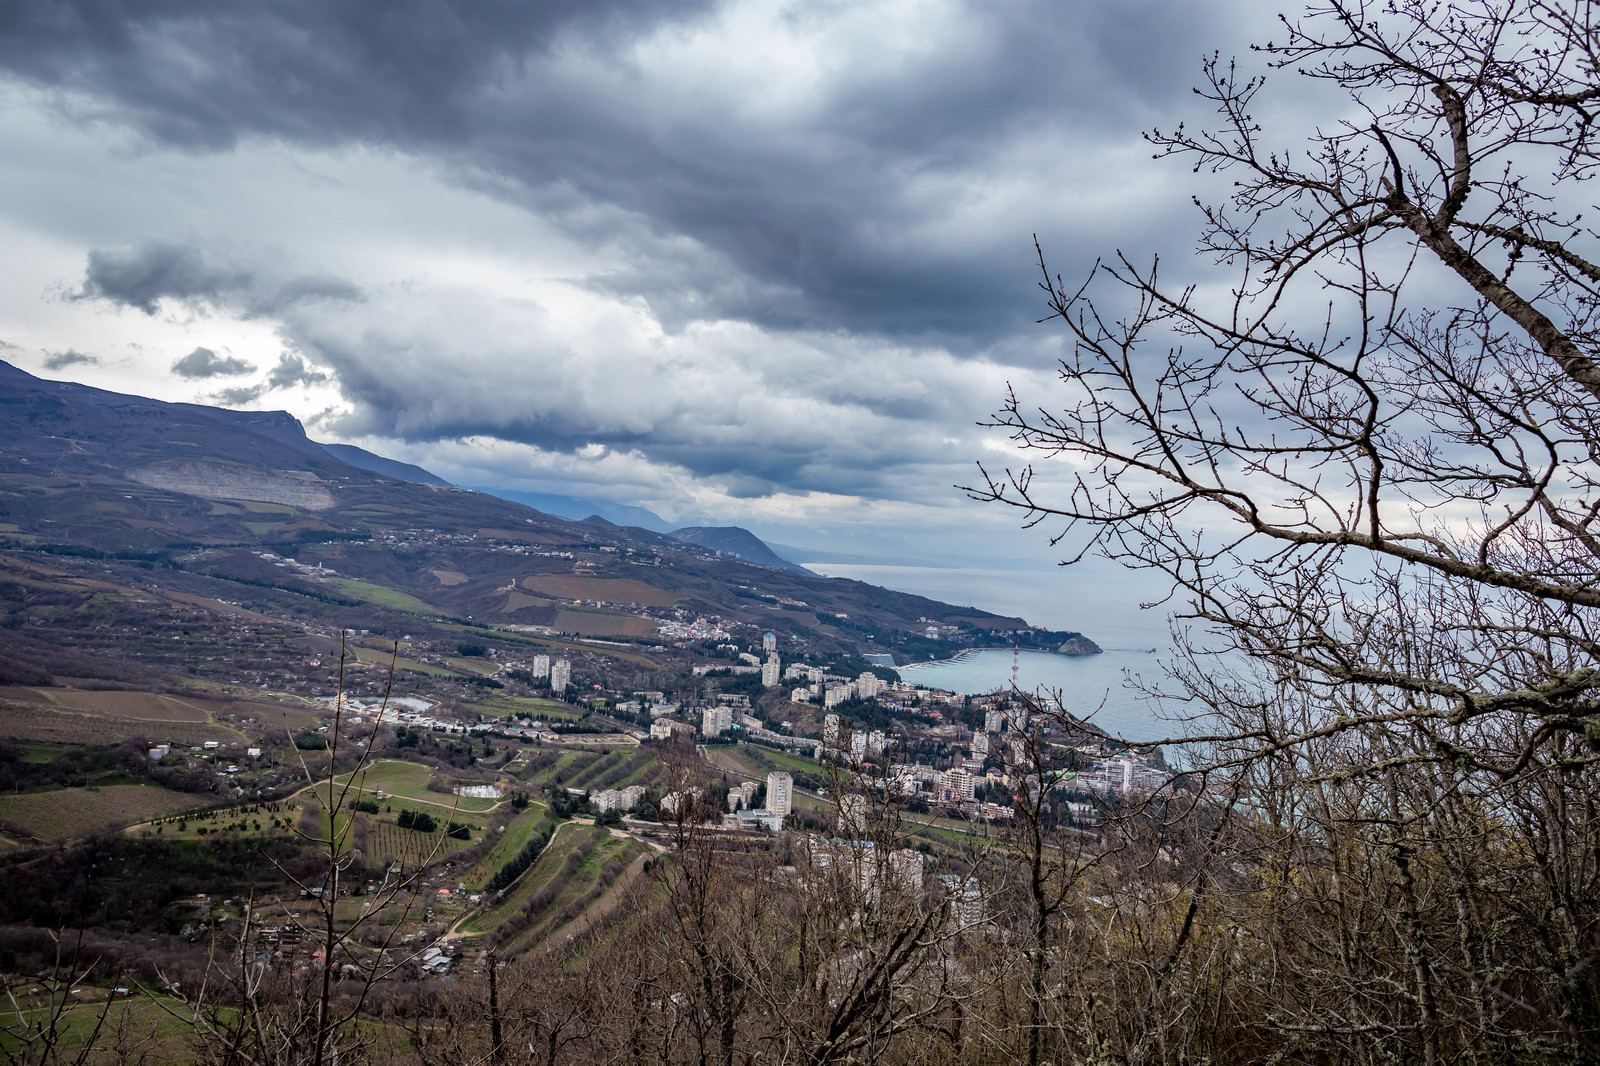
[
  {"x": 62, "y": 360},
  {"x": 205, "y": 363},
  {"x": 144, "y": 276},
  {"x": 690, "y": 254}
]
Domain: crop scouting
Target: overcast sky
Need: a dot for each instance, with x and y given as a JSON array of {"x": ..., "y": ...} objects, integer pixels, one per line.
[{"x": 762, "y": 263}]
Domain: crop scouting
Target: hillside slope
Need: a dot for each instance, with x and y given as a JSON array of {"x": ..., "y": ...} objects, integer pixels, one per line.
[{"x": 206, "y": 490}]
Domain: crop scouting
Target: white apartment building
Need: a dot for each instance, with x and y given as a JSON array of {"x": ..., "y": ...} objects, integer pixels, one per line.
[
  {"x": 769, "y": 671},
  {"x": 905, "y": 864},
  {"x": 993, "y": 720},
  {"x": 780, "y": 792},
  {"x": 741, "y": 795},
  {"x": 830, "y": 730},
  {"x": 980, "y": 746},
  {"x": 716, "y": 720},
  {"x": 541, "y": 666},
  {"x": 560, "y": 675},
  {"x": 958, "y": 781},
  {"x": 868, "y": 685},
  {"x": 769, "y": 643}
]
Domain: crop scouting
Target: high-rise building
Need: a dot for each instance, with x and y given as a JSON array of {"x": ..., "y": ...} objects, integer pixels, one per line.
[
  {"x": 769, "y": 643},
  {"x": 541, "y": 666},
  {"x": 959, "y": 782},
  {"x": 906, "y": 866},
  {"x": 560, "y": 675},
  {"x": 830, "y": 731},
  {"x": 993, "y": 720},
  {"x": 980, "y": 746},
  {"x": 715, "y": 720},
  {"x": 769, "y": 671},
  {"x": 780, "y": 793}
]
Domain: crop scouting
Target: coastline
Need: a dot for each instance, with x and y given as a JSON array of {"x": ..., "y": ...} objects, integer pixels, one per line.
[{"x": 961, "y": 656}]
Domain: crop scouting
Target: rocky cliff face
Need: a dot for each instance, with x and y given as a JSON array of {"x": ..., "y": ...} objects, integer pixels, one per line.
[
  {"x": 227, "y": 481},
  {"x": 1079, "y": 645}
]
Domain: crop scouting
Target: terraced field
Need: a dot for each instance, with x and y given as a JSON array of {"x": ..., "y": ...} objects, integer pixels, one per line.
[
  {"x": 570, "y": 839},
  {"x": 547, "y": 768},
  {"x": 615, "y": 770},
  {"x": 66, "y": 813},
  {"x": 518, "y": 832},
  {"x": 571, "y": 892}
]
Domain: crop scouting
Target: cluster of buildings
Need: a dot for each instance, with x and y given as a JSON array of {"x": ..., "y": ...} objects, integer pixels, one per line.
[
  {"x": 558, "y": 672},
  {"x": 780, "y": 802},
  {"x": 830, "y": 689},
  {"x": 702, "y": 628},
  {"x": 616, "y": 799}
]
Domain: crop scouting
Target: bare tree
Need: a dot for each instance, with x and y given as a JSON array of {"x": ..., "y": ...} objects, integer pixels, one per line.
[
  {"x": 1369, "y": 468},
  {"x": 252, "y": 1009}
]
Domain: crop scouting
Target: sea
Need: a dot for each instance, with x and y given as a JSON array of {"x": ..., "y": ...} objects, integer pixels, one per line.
[{"x": 1103, "y": 605}]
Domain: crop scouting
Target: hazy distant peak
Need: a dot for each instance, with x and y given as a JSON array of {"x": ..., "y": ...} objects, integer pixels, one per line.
[
  {"x": 738, "y": 541},
  {"x": 379, "y": 464}
]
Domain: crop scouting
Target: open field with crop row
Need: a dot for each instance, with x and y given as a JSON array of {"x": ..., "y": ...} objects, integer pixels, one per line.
[
  {"x": 387, "y": 843},
  {"x": 603, "y": 589},
  {"x": 604, "y": 624},
  {"x": 65, "y": 813},
  {"x": 135, "y": 706}
]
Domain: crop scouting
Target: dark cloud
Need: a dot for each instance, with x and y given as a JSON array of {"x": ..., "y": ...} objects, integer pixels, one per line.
[
  {"x": 59, "y": 360},
  {"x": 240, "y": 396},
  {"x": 292, "y": 370},
  {"x": 827, "y": 211},
  {"x": 205, "y": 363},
  {"x": 316, "y": 287},
  {"x": 885, "y": 201},
  {"x": 142, "y": 277},
  {"x": 202, "y": 75}
]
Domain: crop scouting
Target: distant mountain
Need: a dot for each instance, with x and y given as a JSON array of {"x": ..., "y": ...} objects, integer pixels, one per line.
[
  {"x": 736, "y": 540},
  {"x": 378, "y": 464},
  {"x": 577, "y": 508},
  {"x": 202, "y": 494}
]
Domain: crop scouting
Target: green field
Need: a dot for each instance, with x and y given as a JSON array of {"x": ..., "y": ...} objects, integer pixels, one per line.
[
  {"x": 65, "y": 813},
  {"x": 508, "y": 706},
  {"x": 518, "y": 832},
  {"x": 557, "y": 768},
  {"x": 780, "y": 760},
  {"x": 409, "y": 781},
  {"x": 383, "y": 597},
  {"x": 567, "y": 838},
  {"x": 615, "y": 770}
]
